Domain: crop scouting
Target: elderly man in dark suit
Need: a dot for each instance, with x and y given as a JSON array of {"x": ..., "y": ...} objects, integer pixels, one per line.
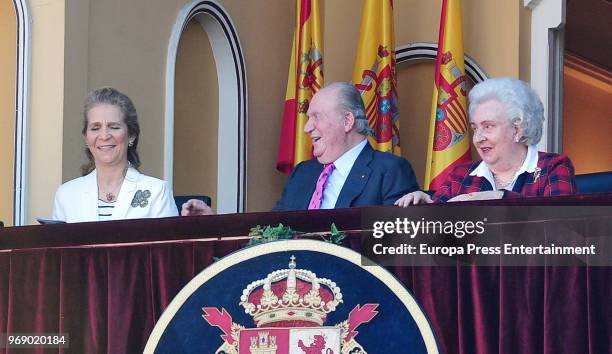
[{"x": 346, "y": 171}]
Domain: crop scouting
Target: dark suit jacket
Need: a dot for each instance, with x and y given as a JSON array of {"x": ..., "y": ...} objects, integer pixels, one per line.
[{"x": 376, "y": 178}]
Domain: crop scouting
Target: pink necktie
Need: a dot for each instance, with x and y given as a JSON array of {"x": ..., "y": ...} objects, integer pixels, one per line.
[{"x": 317, "y": 196}]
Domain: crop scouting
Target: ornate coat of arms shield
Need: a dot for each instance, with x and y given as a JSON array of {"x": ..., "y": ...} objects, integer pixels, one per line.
[{"x": 293, "y": 297}]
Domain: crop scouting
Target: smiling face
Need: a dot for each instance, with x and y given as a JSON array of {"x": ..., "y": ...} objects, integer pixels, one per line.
[
  {"x": 328, "y": 127},
  {"x": 494, "y": 135},
  {"x": 106, "y": 135}
]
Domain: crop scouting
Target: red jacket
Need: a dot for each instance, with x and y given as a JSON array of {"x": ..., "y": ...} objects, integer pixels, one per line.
[{"x": 554, "y": 176}]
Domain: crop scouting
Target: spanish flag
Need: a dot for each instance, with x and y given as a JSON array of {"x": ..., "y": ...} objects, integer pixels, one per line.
[
  {"x": 449, "y": 143},
  {"x": 374, "y": 73},
  {"x": 305, "y": 79}
]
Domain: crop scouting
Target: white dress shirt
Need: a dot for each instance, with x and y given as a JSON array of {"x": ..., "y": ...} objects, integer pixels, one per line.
[
  {"x": 529, "y": 165},
  {"x": 336, "y": 180}
]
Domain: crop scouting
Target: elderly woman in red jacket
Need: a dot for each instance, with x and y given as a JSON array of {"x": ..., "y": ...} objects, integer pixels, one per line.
[{"x": 506, "y": 118}]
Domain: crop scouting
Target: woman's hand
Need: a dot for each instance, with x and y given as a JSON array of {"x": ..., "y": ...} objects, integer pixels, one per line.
[
  {"x": 195, "y": 207},
  {"x": 414, "y": 198},
  {"x": 485, "y": 195}
]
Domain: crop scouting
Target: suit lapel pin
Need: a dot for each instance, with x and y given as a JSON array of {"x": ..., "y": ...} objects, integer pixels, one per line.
[
  {"x": 536, "y": 174},
  {"x": 141, "y": 198}
]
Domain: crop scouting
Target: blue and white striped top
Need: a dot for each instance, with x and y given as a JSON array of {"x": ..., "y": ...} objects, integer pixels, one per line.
[{"x": 105, "y": 210}]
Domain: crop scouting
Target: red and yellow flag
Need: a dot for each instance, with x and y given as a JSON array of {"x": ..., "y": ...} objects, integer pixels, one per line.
[
  {"x": 449, "y": 143},
  {"x": 374, "y": 73},
  {"x": 305, "y": 79}
]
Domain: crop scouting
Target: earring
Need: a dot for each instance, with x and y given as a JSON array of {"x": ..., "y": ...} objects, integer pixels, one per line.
[
  {"x": 517, "y": 139},
  {"x": 131, "y": 143}
]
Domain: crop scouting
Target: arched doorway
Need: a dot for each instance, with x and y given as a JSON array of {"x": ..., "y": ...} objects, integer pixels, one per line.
[
  {"x": 14, "y": 70},
  {"x": 232, "y": 101}
]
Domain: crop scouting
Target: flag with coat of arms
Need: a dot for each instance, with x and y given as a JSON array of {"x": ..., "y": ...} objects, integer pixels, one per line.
[
  {"x": 305, "y": 79},
  {"x": 374, "y": 74},
  {"x": 449, "y": 143}
]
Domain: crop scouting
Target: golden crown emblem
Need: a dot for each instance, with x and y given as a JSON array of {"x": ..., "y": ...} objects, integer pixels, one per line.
[{"x": 290, "y": 298}]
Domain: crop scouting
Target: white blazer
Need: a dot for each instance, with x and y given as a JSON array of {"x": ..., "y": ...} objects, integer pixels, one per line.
[{"x": 77, "y": 200}]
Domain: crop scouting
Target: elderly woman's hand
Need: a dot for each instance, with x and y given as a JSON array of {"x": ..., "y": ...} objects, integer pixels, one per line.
[
  {"x": 484, "y": 195},
  {"x": 195, "y": 207},
  {"x": 414, "y": 198}
]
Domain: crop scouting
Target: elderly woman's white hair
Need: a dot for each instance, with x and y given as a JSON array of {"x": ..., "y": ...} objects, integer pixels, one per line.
[{"x": 523, "y": 106}]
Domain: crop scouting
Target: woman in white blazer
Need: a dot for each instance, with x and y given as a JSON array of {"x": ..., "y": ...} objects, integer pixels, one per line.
[{"x": 111, "y": 187}]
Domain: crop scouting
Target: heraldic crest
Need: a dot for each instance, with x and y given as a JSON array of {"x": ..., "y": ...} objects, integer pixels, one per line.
[
  {"x": 293, "y": 297},
  {"x": 289, "y": 308}
]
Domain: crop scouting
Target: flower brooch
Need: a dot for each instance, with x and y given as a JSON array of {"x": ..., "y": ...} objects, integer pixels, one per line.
[
  {"x": 536, "y": 174},
  {"x": 141, "y": 198}
]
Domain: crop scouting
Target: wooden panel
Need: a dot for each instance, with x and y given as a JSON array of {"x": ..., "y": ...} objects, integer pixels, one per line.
[
  {"x": 587, "y": 30},
  {"x": 587, "y": 109}
]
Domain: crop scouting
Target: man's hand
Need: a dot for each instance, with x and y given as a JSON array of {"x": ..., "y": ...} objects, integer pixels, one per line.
[
  {"x": 414, "y": 198},
  {"x": 195, "y": 207},
  {"x": 485, "y": 195}
]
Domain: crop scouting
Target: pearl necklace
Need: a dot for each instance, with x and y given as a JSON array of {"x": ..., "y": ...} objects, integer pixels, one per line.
[{"x": 500, "y": 183}]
